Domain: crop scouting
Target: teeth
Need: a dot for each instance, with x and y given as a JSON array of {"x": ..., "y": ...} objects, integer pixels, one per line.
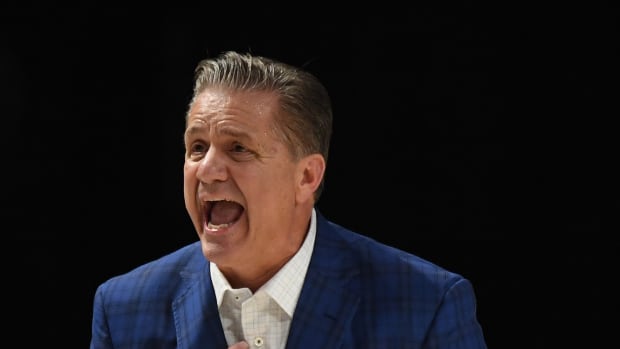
[{"x": 217, "y": 227}]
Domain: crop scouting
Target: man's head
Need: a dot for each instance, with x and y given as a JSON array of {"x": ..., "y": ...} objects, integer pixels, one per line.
[{"x": 257, "y": 137}]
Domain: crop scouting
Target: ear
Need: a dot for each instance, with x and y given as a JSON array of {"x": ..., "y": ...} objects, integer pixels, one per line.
[{"x": 310, "y": 171}]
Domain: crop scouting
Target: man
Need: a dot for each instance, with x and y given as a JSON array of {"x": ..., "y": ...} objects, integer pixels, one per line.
[{"x": 270, "y": 271}]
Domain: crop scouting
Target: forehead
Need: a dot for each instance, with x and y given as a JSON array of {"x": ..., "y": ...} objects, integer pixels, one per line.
[{"x": 216, "y": 105}]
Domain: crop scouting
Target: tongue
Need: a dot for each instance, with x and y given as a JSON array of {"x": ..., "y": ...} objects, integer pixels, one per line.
[{"x": 225, "y": 212}]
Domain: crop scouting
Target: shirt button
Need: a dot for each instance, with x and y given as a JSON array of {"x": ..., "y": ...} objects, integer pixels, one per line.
[{"x": 258, "y": 341}]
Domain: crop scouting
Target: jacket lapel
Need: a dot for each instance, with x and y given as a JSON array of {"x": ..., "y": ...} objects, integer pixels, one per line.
[
  {"x": 329, "y": 297},
  {"x": 196, "y": 316},
  {"x": 322, "y": 317}
]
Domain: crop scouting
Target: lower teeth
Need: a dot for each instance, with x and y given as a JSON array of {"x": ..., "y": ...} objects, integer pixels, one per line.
[{"x": 212, "y": 226}]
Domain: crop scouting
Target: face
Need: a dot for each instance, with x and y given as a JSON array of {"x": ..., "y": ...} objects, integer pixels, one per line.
[{"x": 241, "y": 186}]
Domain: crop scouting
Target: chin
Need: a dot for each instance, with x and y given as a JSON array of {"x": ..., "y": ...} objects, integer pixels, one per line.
[{"x": 218, "y": 254}]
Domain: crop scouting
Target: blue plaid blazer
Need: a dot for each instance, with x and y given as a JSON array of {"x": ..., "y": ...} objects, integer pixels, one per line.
[{"x": 358, "y": 293}]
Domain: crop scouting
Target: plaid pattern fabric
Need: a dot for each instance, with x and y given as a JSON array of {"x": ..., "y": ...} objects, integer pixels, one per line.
[{"x": 357, "y": 293}]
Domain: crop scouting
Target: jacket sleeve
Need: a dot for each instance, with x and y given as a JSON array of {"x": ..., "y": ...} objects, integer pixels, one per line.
[
  {"x": 455, "y": 325},
  {"x": 100, "y": 337}
]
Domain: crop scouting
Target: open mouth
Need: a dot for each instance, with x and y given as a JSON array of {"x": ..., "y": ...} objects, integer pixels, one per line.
[{"x": 222, "y": 214}]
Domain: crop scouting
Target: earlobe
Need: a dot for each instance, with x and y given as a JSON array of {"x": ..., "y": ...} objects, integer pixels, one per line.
[{"x": 311, "y": 170}]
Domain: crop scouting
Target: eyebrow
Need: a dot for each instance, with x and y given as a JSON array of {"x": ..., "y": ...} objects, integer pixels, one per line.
[
  {"x": 225, "y": 130},
  {"x": 192, "y": 130}
]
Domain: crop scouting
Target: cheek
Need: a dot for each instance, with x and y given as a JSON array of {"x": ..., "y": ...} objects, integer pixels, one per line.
[
  {"x": 189, "y": 181},
  {"x": 189, "y": 172},
  {"x": 279, "y": 186}
]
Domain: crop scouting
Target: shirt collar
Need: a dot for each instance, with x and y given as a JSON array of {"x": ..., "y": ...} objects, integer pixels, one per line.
[{"x": 285, "y": 286}]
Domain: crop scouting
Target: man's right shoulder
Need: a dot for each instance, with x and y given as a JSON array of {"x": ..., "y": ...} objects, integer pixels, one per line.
[{"x": 163, "y": 270}]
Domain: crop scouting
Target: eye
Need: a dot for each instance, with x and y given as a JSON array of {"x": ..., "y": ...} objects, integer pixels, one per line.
[
  {"x": 238, "y": 148},
  {"x": 239, "y": 152},
  {"x": 197, "y": 148}
]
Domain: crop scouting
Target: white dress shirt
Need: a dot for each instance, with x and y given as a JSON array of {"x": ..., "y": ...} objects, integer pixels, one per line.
[{"x": 263, "y": 319}]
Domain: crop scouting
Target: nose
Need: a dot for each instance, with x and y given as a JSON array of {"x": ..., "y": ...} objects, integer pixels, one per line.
[{"x": 212, "y": 167}]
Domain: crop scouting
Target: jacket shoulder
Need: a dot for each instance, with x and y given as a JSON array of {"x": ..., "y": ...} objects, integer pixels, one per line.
[
  {"x": 380, "y": 262},
  {"x": 159, "y": 277}
]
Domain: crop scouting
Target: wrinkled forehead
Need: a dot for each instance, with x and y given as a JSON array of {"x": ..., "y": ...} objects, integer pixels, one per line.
[
  {"x": 235, "y": 113},
  {"x": 213, "y": 104}
]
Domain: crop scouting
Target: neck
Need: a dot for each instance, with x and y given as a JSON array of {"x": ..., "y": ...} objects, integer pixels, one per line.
[{"x": 253, "y": 274}]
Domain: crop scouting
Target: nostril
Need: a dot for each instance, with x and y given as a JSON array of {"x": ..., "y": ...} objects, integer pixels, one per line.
[{"x": 211, "y": 169}]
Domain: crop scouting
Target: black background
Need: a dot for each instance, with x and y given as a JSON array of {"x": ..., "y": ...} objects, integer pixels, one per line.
[{"x": 479, "y": 136}]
